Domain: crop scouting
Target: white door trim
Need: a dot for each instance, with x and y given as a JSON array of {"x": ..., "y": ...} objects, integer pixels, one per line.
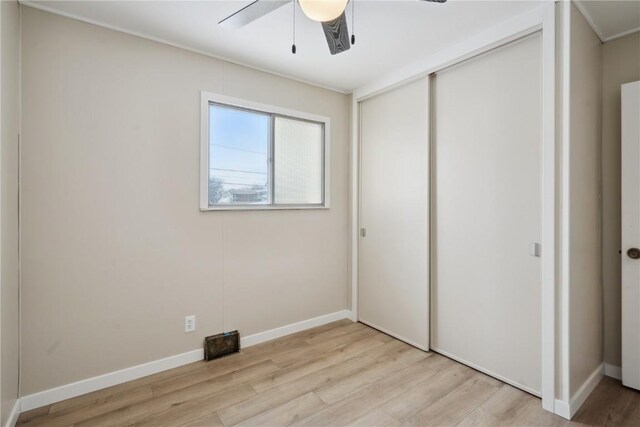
[
  {"x": 541, "y": 19},
  {"x": 548, "y": 291},
  {"x": 565, "y": 130}
]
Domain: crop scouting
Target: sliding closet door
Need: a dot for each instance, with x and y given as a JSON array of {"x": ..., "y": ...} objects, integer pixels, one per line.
[
  {"x": 486, "y": 207},
  {"x": 393, "y": 285}
]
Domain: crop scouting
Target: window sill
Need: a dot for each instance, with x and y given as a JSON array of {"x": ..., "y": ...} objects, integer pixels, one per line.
[{"x": 263, "y": 208}]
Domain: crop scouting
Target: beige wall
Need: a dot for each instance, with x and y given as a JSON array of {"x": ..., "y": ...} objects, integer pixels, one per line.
[
  {"x": 585, "y": 290},
  {"x": 115, "y": 251},
  {"x": 9, "y": 279},
  {"x": 620, "y": 64}
]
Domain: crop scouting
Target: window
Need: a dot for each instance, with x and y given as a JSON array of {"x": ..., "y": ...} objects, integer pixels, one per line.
[{"x": 262, "y": 157}]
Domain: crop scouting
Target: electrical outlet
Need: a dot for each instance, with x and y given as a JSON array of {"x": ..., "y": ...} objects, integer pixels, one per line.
[{"x": 190, "y": 323}]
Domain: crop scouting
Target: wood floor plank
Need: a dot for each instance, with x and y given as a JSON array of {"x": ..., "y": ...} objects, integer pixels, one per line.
[
  {"x": 329, "y": 346},
  {"x": 269, "y": 347},
  {"x": 288, "y": 413},
  {"x": 336, "y": 332},
  {"x": 360, "y": 403},
  {"x": 262, "y": 402},
  {"x": 631, "y": 415},
  {"x": 169, "y": 409},
  {"x": 295, "y": 371},
  {"x": 375, "y": 418},
  {"x": 368, "y": 375},
  {"x": 452, "y": 408},
  {"x": 414, "y": 400},
  {"x": 192, "y": 410},
  {"x": 501, "y": 409},
  {"x": 210, "y": 420},
  {"x": 390, "y": 349},
  {"x": 267, "y": 352}
]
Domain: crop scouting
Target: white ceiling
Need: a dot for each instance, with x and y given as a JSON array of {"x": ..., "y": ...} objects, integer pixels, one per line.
[
  {"x": 611, "y": 18},
  {"x": 390, "y": 34}
]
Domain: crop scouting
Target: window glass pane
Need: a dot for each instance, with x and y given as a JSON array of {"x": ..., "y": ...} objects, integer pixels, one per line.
[
  {"x": 298, "y": 152},
  {"x": 238, "y": 156}
]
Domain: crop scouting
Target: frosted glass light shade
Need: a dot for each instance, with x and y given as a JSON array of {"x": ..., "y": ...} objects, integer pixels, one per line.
[{"x": 323, "y": 10}]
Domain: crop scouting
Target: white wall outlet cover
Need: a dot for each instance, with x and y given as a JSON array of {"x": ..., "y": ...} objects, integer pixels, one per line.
[{"x": 190, "y": 323}]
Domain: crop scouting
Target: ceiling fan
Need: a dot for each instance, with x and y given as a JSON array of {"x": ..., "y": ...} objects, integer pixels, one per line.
[{"x": 330, "y": 13}]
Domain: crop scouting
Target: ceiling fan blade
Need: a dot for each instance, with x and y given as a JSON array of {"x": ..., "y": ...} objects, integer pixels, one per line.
[
  {"x": 436, "y": 1},
  {"x": 251, "y": 12},
  {"x": 337, "y": 34}
]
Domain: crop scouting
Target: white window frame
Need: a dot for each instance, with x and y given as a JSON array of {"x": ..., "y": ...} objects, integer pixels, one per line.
[{"x": 206, "y": 99}]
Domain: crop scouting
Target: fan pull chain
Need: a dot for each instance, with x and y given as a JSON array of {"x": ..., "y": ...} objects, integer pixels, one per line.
[
  {"x": 293, "y": 46},
  {"x": 353, "y": 22}
]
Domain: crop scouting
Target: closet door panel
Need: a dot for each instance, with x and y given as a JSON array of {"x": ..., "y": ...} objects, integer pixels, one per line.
[
  {"x": 393, "y": 285},
  {"x": 486, "y": 213}
]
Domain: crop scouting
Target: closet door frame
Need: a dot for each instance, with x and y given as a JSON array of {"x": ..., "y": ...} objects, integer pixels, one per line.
[{"x": 541, "y": 20}]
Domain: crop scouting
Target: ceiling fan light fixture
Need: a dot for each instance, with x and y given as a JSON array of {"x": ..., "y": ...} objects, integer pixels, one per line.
[{"x": 323, "y": 10}]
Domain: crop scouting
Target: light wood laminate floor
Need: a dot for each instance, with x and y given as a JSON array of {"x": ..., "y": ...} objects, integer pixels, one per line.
[{"x": 343, "y": 373}]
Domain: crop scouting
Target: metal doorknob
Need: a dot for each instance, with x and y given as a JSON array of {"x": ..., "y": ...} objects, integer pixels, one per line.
[{"x": 634, "y": 253}]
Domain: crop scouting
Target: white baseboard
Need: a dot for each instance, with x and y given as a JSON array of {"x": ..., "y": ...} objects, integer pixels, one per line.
[
  {"x": 562, "y": 409},
  {"x": 89, "y": 385},
  {"x": 282, "y": 331},
  {"x": 568, "y": 410},
  {"x": 613, "y": 371},
  {"x": 12, "y": 419}
]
